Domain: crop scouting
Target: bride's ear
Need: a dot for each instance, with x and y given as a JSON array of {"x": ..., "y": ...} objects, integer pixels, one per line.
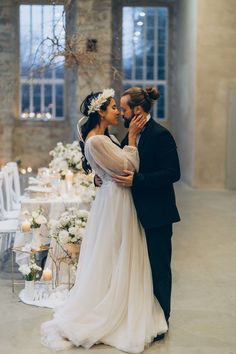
[{"x": 101, "y": 113}]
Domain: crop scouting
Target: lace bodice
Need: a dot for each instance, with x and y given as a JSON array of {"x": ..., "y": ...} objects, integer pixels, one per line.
[{"x": 107, "y": 159}]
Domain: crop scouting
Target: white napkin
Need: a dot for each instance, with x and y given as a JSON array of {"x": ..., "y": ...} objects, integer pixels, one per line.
[
  {"x": 33, "y": 180},
  {"x": 39, "y": 189}
]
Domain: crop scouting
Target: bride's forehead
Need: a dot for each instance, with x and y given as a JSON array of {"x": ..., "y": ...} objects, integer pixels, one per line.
[{"x": 112, "y": 102}]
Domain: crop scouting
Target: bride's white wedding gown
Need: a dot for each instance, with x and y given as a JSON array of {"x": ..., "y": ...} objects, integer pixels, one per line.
[{"x": 112, "y": 301}]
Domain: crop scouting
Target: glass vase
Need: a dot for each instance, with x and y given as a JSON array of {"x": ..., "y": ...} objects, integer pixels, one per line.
[
  {"x": 29, "y": 289},
  {"x": 36, "y": 239}
]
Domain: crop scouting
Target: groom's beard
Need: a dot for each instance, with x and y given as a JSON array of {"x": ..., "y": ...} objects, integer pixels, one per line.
[{"x": 127, "y": 121}]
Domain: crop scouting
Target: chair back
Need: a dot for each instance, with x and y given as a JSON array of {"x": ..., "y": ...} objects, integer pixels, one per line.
[
  {"x": 13, "y": 169},
  {"x": 2, "y": 210},
  {"x": 11, "y": 183}
]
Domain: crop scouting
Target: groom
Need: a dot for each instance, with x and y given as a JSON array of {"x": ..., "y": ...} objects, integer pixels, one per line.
[{"x": 152, "y": 189}]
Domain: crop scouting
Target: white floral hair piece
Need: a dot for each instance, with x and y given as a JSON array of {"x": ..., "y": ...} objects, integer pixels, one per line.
[{"x": 96, "y": 103}]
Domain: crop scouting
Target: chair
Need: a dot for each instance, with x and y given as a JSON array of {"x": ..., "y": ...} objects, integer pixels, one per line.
[
  {"x": 12, "y": 186},
  {"x": 15, "y": 182},
  {"x": 5, "y": 195},
  {"x": 8, "y": 227}
]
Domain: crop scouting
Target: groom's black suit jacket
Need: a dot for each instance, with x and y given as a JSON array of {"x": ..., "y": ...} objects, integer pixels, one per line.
[{"x": 152, "y": 190}]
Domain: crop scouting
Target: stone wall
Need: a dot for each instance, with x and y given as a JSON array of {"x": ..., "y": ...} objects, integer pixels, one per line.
[
  {"x": 205, "y": 72},
  {"x": 184, "y": 93},
  {"x": 94, "y": 22},
  {"x": 27, "y": 141},
  {"x": 8, "y": 76},
  {"x": 216, "y": 74},
  {"x": 30, "y": 141}
]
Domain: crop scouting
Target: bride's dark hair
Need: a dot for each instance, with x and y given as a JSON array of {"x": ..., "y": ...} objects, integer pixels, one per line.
[{"x": 93, "y": 120}]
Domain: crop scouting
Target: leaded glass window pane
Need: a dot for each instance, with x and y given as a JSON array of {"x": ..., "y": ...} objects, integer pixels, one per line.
[
  {"x": 145, "y": 43},
  {"x": 42, "y": 85}
]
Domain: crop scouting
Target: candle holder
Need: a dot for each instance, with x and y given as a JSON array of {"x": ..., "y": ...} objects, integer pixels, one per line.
[{"x": 66, "y": 259}]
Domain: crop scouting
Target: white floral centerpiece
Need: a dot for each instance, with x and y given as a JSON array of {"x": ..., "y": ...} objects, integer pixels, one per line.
[
  {"x": 66, "y": 158},
  {"x": 70, "y": 226},
  {"x": 68, "y": 231},
  {"x": 88, "y": 189},
  {"x": 36, "y": 220},
  {"x": 30, "y": 271}
]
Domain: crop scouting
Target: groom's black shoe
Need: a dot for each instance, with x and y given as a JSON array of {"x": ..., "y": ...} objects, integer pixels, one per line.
[{"x": 159, "y": 337}]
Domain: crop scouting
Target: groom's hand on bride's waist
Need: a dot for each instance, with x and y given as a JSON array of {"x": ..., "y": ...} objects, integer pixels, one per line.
[{"x": 126, "y": 180}]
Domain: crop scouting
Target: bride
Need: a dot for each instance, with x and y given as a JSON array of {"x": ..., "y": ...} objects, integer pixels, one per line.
[{"x": 112, "y": 301}]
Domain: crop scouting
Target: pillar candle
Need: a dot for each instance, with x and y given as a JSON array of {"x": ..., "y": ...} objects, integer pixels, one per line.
[
  {"x": 47, "y": 274},
  {"x": 25, "y": 226}
]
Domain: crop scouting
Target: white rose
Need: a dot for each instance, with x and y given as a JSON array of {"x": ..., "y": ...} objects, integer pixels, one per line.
[
  {"x": 41, "y": 220},
  {"x": 72, "y": 210},
  {"x": 35, "y": 214},
  {"x": 69, "y": 155},
  {"x": 83, "y": 214},
  {"x": 72, "y": 230},
  {"x": 65, "y": 220},
  {"x": 24, "y": 269},
  {"x": 78, "y": 222},
  {"x": 64, "y": 236},
  {"x": 36, "y": 267},
  {"x": 79, "y": 233},
  {"x": 59, "y": 159},
  {"x": 73, "y": 239},
  {"x": 77, "y": 159},
  {"x": 63, "y": 166}
]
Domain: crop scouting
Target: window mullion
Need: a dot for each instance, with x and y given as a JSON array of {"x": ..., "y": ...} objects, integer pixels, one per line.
[
  {"x": 53, "y": 71},
  {"x": 31, "y": 59},
  {"x": 42, "y": 109},
  {"x": 133, "y": 48},
  {"x": 144, "y": 48}
]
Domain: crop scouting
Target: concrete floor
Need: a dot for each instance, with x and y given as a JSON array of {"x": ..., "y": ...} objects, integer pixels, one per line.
[{"x": 203, "y": 317}]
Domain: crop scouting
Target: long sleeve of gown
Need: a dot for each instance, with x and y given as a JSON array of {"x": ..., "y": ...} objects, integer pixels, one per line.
[{"x": 110, "y": 157}]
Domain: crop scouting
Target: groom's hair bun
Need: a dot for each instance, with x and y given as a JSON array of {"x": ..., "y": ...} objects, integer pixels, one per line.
[
  {"x": 152, "y": 93},
  {"x": 141, "y": 97}
]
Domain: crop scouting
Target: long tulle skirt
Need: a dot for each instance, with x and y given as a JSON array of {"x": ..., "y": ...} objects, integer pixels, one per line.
[{"x": 112, "y": 301}]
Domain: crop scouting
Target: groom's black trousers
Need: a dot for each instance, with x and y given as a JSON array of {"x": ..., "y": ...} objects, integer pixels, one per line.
[{"x": 159, "y": 250}]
